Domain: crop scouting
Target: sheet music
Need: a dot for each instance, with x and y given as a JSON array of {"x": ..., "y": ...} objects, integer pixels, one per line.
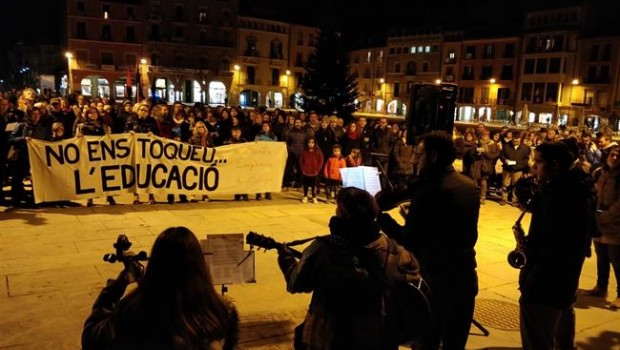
[
  {"x": 372, "y": 182},
  {"x": 362, "y": 177},
  {"x": 352, "y": 177},
  {"x": 223, "y": 253},
  {"x": 10, "y": 127}
]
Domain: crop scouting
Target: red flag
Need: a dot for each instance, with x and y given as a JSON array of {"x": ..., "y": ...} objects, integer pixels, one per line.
[{"x": 128, "y": 79}]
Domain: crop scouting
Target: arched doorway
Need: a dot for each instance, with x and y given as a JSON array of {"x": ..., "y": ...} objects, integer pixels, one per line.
[
  {"x": 94, "y": 85},
  {"x": 163, "y": 89},
  {"x": 274, "y": 99},
  {"x": 466, "y": 113},
  {"x": 120, "y": 89},
  {"x": 217, "y": 93},
  {"x": 249, "y": 98},
  {"x": 396, "y": 107}
]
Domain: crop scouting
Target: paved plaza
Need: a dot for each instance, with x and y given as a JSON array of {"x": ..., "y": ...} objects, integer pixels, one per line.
[{"x": 51, "y": 270}]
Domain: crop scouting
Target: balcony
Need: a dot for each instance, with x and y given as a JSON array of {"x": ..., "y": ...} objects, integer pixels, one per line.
[
  {"x": 251, "y": 53},
  {"x": 596, "y": 80},
  {"x": 108, "y": 67},
  {"x": 449, "y": 60}
]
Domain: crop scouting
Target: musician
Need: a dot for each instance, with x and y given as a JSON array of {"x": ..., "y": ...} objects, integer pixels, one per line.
[
  {"x": 347, "y": 272},
  {"x": 555, "y": 248},
  {"x": 441, "y": 229},
  {"x": 174, "y": 307}
]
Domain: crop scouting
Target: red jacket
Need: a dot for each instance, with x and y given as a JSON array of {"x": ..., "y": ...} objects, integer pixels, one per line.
[
  {"x": 311, "y": 161},
  {"x": 331, "y": 170}
]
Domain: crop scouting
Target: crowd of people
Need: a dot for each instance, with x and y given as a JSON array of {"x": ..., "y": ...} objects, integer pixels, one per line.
[
  {"x": 318, "y": 145},
  {"x": 350, "y": 272}
]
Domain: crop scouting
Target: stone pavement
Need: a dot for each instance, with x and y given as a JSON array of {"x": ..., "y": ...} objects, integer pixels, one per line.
[{"x": 51, "y": 270}]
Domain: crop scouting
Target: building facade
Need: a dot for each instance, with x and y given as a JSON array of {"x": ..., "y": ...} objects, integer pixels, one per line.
[
  {"x": 369, "y": 65},
  {"x": 105, "y": 42},
  {"x": 169, "y": 50},
  {"x": 485, "y": 70}
]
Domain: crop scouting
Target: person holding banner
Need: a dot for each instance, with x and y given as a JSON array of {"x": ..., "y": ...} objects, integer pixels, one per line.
[
  {"x": 19, "y": 163},
  {"x": 143, "y": 124},
  {"x": 93, "y": 126},
  {"x": 265, "y": 135}
]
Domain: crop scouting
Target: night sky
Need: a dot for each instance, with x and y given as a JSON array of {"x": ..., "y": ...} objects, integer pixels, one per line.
[{"x": 356, "y": 18}]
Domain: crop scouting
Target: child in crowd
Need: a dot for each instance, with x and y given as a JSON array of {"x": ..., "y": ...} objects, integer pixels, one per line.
[
  {"x": 237, "y": 138},
  {"x": 310, "y": 163},
  {"x": 331, "y": 172},
  {"x": 354, "y": 158},
  {"x": 265, "y": 135}
]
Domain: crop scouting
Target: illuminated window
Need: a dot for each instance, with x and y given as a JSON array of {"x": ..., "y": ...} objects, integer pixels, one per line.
[
  {"x": 380, "y": 57},
  {"x": 413, "y": 49},
  {"x": 452, "y": 55},
  {"x": 368, "y": 57},
  {"x": 427, "y": 49},
  {"x": 202, "y": 16}
]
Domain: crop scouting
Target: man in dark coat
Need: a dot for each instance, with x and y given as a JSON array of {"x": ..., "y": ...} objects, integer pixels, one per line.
[
  {"x": 441, "y": 229},
  {"x": 555, "y": 248}
]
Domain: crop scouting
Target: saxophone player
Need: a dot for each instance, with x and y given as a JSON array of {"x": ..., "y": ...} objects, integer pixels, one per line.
[{"x": 556, "y": 249}]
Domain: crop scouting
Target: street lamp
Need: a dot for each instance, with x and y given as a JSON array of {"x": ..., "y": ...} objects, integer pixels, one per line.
[
  {"x": 237, "y": 69},
  {"x": 384, "y": 106},
  {"x": 438, "y": 81},
  {"x": 69, "y": 56},
  {"x": 574, "y": 83}
]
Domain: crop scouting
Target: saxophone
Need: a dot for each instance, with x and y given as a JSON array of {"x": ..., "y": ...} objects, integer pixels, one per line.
[{"x": 517, "y": 258}]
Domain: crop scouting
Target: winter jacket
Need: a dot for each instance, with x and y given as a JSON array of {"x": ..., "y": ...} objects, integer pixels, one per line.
[
  {"x": 520, "y": 155},
  {"x": 608, "y": 204},
  {"x": 402, "y": 156},
  {"x": 116, "y": 324},
  {"x": 557, "y": 243},
  {"x": 344, "y": 273},
  {"x": 332, "y": 168},
  {"x": 311, "y": 161}
]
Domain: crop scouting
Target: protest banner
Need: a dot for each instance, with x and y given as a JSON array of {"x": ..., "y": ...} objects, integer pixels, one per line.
[{"x": 90, "y": 167}]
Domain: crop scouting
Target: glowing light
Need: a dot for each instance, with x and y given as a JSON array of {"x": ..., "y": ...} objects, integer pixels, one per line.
[
  {"x": 143, "y": 61},
  {"x": 575, "y": 82},
  {"x": 438, "y": 81},
  {"x": 236, "y": 67}
]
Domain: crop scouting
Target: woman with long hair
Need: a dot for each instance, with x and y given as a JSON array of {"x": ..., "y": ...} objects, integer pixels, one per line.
[{"x": 173, "y": 307}]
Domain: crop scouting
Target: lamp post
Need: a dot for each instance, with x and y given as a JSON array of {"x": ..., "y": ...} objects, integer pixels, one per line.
[
  {"x": 491, "y": 116},
  {"x": 288, "y": 76},
  {"x": 69, "y": 56},
  {"x": 574, "y": 83},
  {"x": 238, "y": 89},
  {"x": 384, "y": 107}
]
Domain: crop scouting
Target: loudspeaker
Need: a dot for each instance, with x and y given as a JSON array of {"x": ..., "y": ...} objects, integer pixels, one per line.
[{"x": 432, "y": 108}]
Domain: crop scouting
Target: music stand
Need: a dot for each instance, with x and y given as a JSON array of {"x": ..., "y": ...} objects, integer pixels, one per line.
[{"x": 228, "y": 262}]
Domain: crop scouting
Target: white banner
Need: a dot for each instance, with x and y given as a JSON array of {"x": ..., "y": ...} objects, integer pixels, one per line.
[{"x": 91, "y": 167}]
